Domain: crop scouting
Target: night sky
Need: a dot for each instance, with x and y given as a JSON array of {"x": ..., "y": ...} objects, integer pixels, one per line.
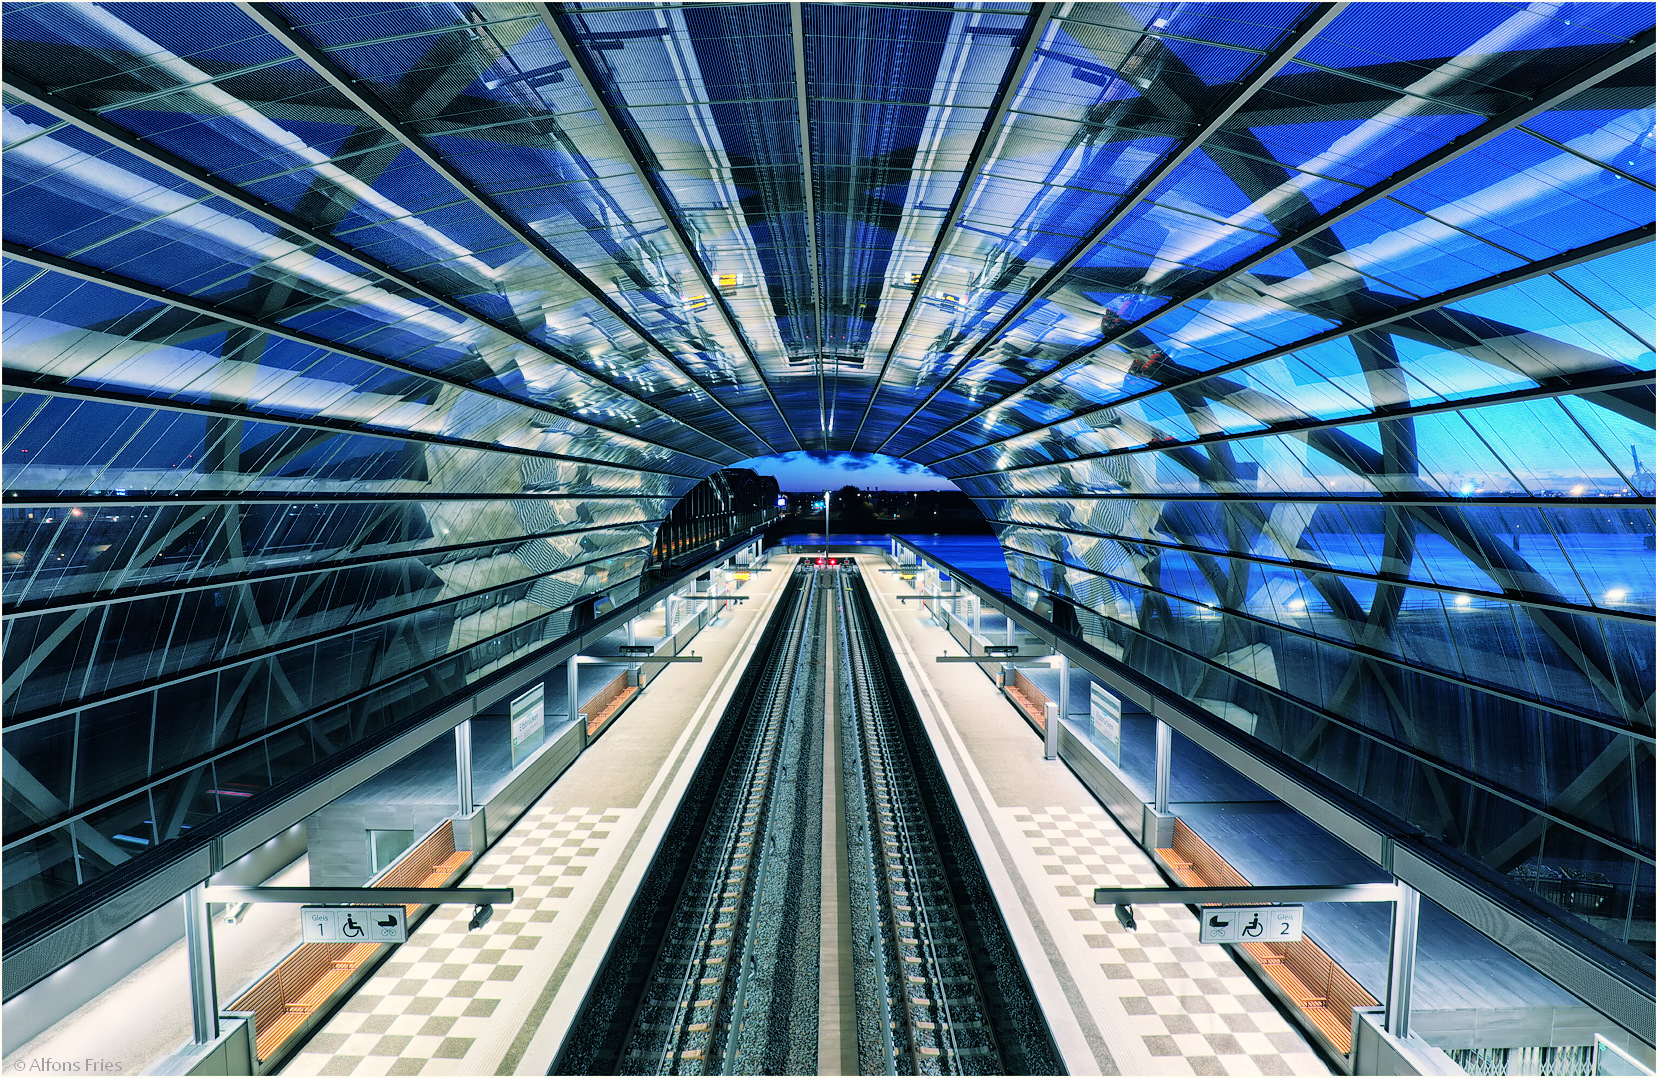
[{"x": 817, "y": 470}]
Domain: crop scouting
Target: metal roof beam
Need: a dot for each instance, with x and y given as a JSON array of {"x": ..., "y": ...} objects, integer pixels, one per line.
[
  {"x": 132, "y": 593},
  {"x": 1358, "y": 650},
  {"x": 45, "y": 260},
  {"x": 1307, "y": 568},
  {"x": 91, "y": 122},
  {"x": 25, "y": 382},
  {"x": 1598, "y": 382},
  {"x": 1634, "y": 51},
  {"x": 1316, "y": 19},
  {"x": 278, "y": 26},
  {"x": 1041, "y": 15},
  {"x": 1611, "y": 245},
  {"x": 578, "y": 66}
]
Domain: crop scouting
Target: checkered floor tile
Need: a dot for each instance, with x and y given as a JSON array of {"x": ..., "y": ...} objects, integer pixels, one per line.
[
  {"x": 424, "y": 1008},
  {"x": 1189, "y": 1004}
]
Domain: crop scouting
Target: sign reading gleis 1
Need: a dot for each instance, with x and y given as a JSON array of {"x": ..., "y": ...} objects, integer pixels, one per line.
[
  {"x": 1250, "y": 924},
  {"x": 353, "y": 924}
]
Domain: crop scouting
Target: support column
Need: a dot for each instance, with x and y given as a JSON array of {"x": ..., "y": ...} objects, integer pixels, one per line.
[
  {"x": 463, "y": 766},
  {"x": 1064, "y": 709},
  {"x": 198, "y": 946},
  {"x": 1165, "y": 760},
  {"x": 1401, "y": 960}
]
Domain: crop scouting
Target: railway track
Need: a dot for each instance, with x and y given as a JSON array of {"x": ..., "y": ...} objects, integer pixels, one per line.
[{"x": 716, "y": 968}]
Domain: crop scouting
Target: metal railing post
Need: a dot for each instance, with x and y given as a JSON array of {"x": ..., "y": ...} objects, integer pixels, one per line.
[
  {"x": 573, "y": 665},
  {"x": 198, "y": 946},
  {"x": 1401, "y": 960},
  {"x": 1165, "y": 761},
  {"x": 1052, "y": 733},
  {"x": 463, "y": 766}
]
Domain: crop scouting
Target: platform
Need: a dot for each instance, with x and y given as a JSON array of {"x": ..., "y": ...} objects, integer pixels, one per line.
[
  {"x": 497, "y": 1001},
  {"x": 500, "y": 1000}
]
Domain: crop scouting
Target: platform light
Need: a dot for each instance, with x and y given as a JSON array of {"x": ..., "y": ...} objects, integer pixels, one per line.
[
  {"x": 1616, "y": 595},
  {"x": 1463, "y": 602}
]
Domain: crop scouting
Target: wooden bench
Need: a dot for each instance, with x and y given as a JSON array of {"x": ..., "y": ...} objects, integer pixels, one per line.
[
  {"x": 1032, "y": 700},
  {"x": 312, "y": 975},
  {"x": 607, "y": 701},
  {"x": 1320, "y": 989}
]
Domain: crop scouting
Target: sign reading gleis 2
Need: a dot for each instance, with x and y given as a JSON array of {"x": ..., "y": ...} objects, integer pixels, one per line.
[{"x": 1250, "y": 924}]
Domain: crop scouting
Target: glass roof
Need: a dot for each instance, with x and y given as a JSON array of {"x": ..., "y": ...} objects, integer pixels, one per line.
[{"x": 1324, "y": 329}]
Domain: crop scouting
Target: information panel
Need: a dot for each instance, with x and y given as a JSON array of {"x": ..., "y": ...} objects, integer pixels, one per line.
[
  {"x": 529, "y": 717},
  {"x": 1107, "y": 713},
  {"x": 1250, "y": 924}
]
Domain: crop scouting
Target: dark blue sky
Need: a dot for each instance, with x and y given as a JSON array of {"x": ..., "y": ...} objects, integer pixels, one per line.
[{"x": 817, "y": 470}]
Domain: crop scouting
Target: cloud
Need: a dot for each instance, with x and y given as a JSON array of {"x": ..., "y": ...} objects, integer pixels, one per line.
[{"x": 846, "y": 462}]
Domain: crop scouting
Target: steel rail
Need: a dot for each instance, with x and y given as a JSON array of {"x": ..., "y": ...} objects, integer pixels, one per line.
[
  {"x": 940, "y": 1025},
  {"x": 703, "y": 977}
]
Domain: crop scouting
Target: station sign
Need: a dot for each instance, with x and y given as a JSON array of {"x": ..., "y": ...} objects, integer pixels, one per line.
[
  {"x": 529, "y": 713},
  {"x": 354, "y": 924},
  {"x": 1250, "y": 924}
]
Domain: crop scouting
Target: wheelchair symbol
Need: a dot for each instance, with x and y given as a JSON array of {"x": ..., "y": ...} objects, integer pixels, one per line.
[{"x": 1254, "y": 927}]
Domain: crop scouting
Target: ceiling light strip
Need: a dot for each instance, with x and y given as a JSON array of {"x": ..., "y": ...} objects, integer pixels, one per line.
[{"x": 797, "y": 24}]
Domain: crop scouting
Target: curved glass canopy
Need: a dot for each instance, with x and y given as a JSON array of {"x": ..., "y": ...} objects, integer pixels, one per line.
[{"x": 1301, "y": 352}]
